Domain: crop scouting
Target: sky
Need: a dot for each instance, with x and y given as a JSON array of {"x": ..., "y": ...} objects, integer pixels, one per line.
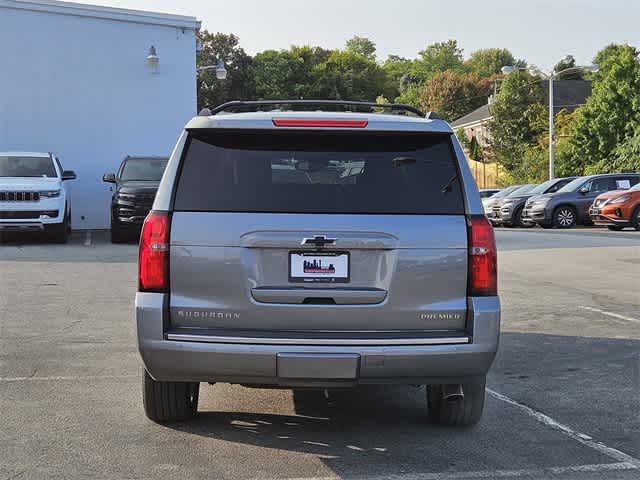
[{"x": 539, "y": 31}]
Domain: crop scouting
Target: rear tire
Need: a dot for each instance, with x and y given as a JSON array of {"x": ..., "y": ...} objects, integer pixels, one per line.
[
  {"x": 169, "y": 401},
  {"x": 635, "y": 218},
  {"x": 565, "y": 217},
  {"x": 464, "y": 412},
  {"x": 118, "y": 234},
  {"x": 516, "y": 220},
  {"x": 614, "y": 228}
]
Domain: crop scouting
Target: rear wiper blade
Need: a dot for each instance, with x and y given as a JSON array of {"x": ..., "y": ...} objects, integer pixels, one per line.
[
  {"x": 447, "y": 188},
  {"x": 402, "y": 161}
]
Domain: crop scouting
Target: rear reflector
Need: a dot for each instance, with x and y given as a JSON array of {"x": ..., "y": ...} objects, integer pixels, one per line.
[
  {"x": 153, "y": 259},
  {"x": 483, "y": 265},
  {"x": 302, "y": 122}
]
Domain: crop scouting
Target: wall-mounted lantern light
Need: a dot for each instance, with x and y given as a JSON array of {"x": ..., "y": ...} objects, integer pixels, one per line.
[{"x": 152, "y": 59}]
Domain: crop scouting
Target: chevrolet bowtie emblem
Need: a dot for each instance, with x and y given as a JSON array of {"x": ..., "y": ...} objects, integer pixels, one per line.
[{"x": 318, "y": 241}]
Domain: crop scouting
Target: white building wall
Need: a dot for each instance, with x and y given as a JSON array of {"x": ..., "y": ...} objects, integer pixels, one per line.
[{"x": 79, "y": 85}]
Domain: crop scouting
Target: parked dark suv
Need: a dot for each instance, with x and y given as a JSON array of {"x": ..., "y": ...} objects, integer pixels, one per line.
[
  {"x": 136, "y": 184},
  {"x": 494, "y": 214},
  {"x": 317, "y": 249},
  {"x": 570, "y": 205},
  {"x": 508, "y": 212}
]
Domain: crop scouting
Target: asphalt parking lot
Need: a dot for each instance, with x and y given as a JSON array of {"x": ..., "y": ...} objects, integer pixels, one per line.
[{"x": 564, "y": 397}]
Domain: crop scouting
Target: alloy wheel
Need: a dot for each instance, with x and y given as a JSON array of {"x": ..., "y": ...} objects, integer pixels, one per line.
[{"x": 565, "y": 217}]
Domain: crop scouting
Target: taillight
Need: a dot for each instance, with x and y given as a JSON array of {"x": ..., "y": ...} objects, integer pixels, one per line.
[
  {"x": 483, "y": 265},
  {"x": 303, "y": 122},
  {"x": 153, "y": 259}
]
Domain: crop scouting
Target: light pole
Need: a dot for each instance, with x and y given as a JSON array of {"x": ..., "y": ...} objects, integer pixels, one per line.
[
  {"x": 221, "y": 71},
  {"x": 550, "y": 77}
]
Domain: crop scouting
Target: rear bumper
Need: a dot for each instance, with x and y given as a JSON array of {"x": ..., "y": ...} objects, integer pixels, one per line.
[{"x": 267, "y": 364}]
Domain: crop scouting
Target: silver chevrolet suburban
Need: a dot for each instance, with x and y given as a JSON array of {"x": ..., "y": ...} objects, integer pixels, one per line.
[{"x": 317, "y": 244}]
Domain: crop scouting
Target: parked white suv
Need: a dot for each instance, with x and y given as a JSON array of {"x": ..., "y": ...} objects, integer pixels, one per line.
[{"x": 33, "y": 195}]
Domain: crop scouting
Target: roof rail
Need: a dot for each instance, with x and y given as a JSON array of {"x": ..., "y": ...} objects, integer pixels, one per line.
[{"x": 255, "y": 105}]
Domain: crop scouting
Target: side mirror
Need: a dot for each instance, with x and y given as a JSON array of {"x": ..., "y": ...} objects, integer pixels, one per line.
[
  {"x": 109, "y": 178},
  {"x": 584, "y": 190},
  {"x": 68, "y": 175}
]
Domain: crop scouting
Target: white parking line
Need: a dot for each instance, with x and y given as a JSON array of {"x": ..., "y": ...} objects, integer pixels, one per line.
[
  {"x": 528, "y": 473},
  {"x": 67, "y": 378},
  {"x": 577, "y": 436},
  {"x": 610, "y": 314},
  {"x": 625, "y": 462},
  {"x": 87, "y": 240}
]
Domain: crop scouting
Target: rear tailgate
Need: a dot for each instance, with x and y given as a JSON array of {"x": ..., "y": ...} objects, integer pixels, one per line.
[{"x": 318, "y": 233}]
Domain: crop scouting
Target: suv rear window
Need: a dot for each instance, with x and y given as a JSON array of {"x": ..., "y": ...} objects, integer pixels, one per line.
[{"x": 319, "y": 172}]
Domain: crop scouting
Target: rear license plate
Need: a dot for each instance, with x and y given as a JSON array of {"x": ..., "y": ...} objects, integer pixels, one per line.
[{"x": 328, "y": 267}]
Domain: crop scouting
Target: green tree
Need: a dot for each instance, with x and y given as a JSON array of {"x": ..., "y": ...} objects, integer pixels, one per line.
[
  {"x": 280, "y": 74},
  {"x": 436, "y": 58},
  {"x": 311, "y": 56},
  {"x": 398, "y": 74},
  {"x": 409, "y": 95},
  {"x": 238, "y": 85},
  {"x": 613, "y": 50},
  {"x": 362, "y": 46},
  {"x": 488, "y": 61},
  {"x": 350, "y": 76},
  {"x": 518, "y": 122},
  {"x": 609, "y": 118},
  {"x": 407, "y": 77},
  {"x": 452, "y": 94},
  {"x": 627, "y": 154}
]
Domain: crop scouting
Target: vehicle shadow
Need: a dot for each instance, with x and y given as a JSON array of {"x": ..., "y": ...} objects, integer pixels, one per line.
[
  {"x": 367, "y": 430},
  {"x": 587, "y": 383},
  {"x": 77, "y": 237},
  {"x": 83, "y": 246},
  {"x": 24, "y": 238}
]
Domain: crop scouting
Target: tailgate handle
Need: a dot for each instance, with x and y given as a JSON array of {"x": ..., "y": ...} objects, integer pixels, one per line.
[
  {"x": 320, "y": 296},
  {"x": 319, "y": 301}
]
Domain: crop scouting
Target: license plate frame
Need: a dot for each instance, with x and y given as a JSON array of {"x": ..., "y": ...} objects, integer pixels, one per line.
[{"x": 318, "y": 277}]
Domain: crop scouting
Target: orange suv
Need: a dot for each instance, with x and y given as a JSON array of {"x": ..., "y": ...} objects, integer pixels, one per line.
[{"x": 617, "y": 209}]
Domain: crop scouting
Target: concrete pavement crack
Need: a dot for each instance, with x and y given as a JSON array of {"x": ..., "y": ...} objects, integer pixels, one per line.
[
  {"x": 13, "y": 477},
  {"x": 71, "y": 325}
]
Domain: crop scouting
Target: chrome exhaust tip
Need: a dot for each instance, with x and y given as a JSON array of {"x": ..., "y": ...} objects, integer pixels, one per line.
[{"x": 452, "y": 393}]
